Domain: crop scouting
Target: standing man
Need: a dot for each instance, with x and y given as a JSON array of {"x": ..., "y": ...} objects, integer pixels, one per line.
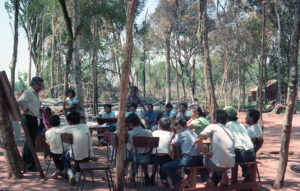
[
  {"x": 30, "y": 105},
  {"x": 133, "y": 98}
]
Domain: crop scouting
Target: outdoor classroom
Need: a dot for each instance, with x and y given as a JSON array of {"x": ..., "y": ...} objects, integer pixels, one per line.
[{"x": 183, "y": 95}]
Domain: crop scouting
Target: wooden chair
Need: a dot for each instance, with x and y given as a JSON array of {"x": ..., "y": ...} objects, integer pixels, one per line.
[
  {"x": 111, "y": 163},
  {"x": 144, "y": 142},
  {"x": 101, "y": 121},
  {"x": 257, "y": 142}
]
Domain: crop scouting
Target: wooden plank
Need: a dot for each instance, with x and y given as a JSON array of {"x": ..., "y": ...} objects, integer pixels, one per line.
[
  {"x": 16, "y": 115},
  {"x": 251, "y": 185}
]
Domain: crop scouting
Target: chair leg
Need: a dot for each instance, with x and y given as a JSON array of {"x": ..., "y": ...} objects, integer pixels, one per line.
[
  {"x": 92, "y": 174},
  {"x": 111, "y": 180},
  {"x": 257, "y": 173},
  {"x": 84, "y": 177},
  {"x": 78, "y": 183},
  {"x": 48, "y": 165},
  {"x": 108, "y": 180}
]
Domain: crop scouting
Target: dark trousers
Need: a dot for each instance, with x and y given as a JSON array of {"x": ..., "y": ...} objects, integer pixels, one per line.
[
  {"x": 161, "y": 160},
  {"x": 31, "y": 124},
  {"x": 170, "y": 168},
  {"x": 66, "y": 159},
  {"x": 57, "y": 159},
  {"x": 245, "y": 156}
]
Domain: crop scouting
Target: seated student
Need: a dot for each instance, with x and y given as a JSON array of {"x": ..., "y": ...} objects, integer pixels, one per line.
[
  {"x": 243, "y": 146},
  {"x": 169, "y": 113},
  {"x": 191, "y": 156},
  {"x": 82, "y": 144},
  {"x": 46, "y": 115},
  {"x": 106, "y": 115},
  {"x": 183, "y": 112},
  {"x": 165, "y": 135},
  {"x": 141, "y": 155},
  {"x": 150, "y": 118},
  {"x": 197, "y": 121},
  {"x": 221, "y": 153},
  {"x": 251, "y": 119},
  {"x": 132, "y": 109},
  {"x": 54, "y": 141}
]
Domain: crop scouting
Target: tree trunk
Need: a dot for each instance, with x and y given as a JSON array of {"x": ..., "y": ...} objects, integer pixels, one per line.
[
  {"x": 277, "y": 11},
  {"x": 130, "y": 9},
  {"x": 76, "y": 53},
  {"x": 239, "y": 57},
  {"x": 292, "y": 94},
  {"x": 144, "y": 69},
  {"x": 168, "y": 81},
  {"x": 193, "y": 80},
  {"x": 52, "y": 82},
  {"x": 261, "y": 66},
  {"x": 177, "y": 82},
  {"x": 15, "y": 51},
  {"x": 94, "y": 68},
  {"x": 204, "y": 51},
  {"x": 14, "y": 164}
]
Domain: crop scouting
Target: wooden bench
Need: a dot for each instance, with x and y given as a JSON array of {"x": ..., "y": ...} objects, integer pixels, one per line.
[{"x": 252, "y": 184}]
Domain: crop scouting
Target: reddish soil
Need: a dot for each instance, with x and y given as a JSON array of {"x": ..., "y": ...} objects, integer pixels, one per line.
[{"x": 268, "y": 156}]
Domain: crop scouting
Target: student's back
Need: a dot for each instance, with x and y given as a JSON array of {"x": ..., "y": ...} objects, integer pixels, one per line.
[
  {"x": 241, "y": 138},
  {"x": 164, "y": 141}
]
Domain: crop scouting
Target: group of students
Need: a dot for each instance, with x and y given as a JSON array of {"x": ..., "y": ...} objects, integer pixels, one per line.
[{"x": 230, "y": 142}]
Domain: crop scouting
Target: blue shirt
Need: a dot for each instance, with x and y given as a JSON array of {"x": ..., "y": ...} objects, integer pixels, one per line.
[
  {"x": 150, "y": 117},
  {"x": 187, "y": 113},
  {"x": 186, "y": 140},
  {"x": 110, "y": 115},
  {"x": 170, "y": 115}
]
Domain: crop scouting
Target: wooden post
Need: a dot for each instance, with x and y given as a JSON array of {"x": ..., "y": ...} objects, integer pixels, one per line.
[
  {"x": 16, "y": 115},
  {"x": 261, "y": 65},
  {"x": 291, "y": 98},
  {"x": 130, "y": 9}
]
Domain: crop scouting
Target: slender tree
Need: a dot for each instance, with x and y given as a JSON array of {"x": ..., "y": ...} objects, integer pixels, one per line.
[
  {"x": 130, "y": 9},
  {"x": 204, "y": 52},
  {"x": 261, "y": 65},
  {"x": 277, "y": 11},
  {"x": 291, "y": 98},
  {"x": 15, "y": 50}
]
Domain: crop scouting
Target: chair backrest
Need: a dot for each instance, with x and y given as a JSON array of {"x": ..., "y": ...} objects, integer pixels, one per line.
[
  {"x": 257, "y": 142},
  {"x": 101, "y": 121},
  {"x": 145, "y": 142}
]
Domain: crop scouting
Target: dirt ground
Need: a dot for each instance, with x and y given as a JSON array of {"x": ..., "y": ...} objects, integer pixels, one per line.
[{"x": 268, "y": 156}]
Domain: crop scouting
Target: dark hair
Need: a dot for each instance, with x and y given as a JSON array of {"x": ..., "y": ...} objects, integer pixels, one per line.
[
  {"x": 35, "y": 80},
  {"x": 198, "y": 110},
  {"x": 134, "y": 88},
  {"x": 150, "y": 104},
  {"x": 180, "y": 121},
  {"x": 133, "y": 119},
  {"x": 108, "y": 105},
  {"x": 220, "y": 116},
  {"x": 70, "y": 91},
  {"x": 48, "y": 110},
  {"x": 165, "y": 123},
  {"x": 232, "y": 118},
  {"x": 169, "y": 105},
  {"x": 54, "y": 120},
  {"x": 133, "y": 105},
  {"x": 254, "y": 114},
  {"x": 73, "y": 117},
  {"x": 184, "y": 104}
]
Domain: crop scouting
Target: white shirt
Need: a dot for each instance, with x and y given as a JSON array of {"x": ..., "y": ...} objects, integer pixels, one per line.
[
  {"x": 54, "y": 141},
  {"x": 138, "y": 132},
  {"x": 82, "y": 141},
  {"x": 241, "y": 139},
  {"x": 221, "y": 145},
  {"x": 30, "y": 100},
  {"x": 254, "y": 131},
  {"x": 164, "y": 141}
]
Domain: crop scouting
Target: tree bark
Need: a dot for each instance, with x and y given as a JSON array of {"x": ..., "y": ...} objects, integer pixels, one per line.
[
  {"x": 168, "y": 80},
  {"x": 277, "y": 11},
  {"x": 15, "y": 50},
  {"x": 204, "y": 52},
  {"x": 130, "y": 9},
  {"x": 14, "y": 163},
  {"x": 261, "y": 65},
  {"x": 76, "y": 53},
  {"x": 292, "y": 94},
  {"x": 193, "y": 80},
  {"x": 238, "y": 55},
  {"x": 52, "y": 79},
  {"x": 94, "y": 68}
]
